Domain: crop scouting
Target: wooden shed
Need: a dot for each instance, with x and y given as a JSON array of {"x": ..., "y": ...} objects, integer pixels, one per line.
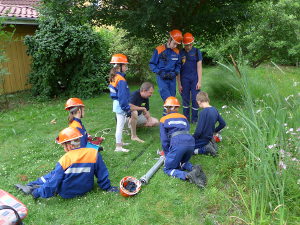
[{"x": 23, "y": 15}]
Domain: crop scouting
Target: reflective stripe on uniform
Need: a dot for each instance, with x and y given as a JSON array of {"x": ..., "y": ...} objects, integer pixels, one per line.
[
  {"x": 43, "y": 179},
  {"x": 177, "y": 122},
  {"x": 78, "y": 170},
  {"x": 186, "y": 107},
  {"x": 171, "y": 174},
  {"x": 195, "y": 108}
]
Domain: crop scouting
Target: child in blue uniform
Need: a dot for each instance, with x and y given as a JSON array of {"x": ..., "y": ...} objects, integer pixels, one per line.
[
  {"x": 165, "y": 62},
  {"x": 74, "y": 173},
  {"x": 120, "y": 94},
  {"x": 178, "y": 145},
  {"x": 189, "y": 80},
  {"x": 205, "y": 129},
  {"x": 75, "y": 107}
]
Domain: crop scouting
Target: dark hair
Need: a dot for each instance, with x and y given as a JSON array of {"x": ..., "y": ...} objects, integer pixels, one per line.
[{"x": 146, "y": 86}]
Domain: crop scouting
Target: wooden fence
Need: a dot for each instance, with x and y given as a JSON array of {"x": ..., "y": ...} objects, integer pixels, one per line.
[{"x": 18, "y": 64}]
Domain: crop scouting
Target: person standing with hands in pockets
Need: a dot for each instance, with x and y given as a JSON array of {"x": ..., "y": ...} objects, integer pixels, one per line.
[{"x": 189, "y": 80}]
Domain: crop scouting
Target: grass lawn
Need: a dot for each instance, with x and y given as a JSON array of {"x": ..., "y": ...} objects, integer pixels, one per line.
[{"x": 28, "y": 151}]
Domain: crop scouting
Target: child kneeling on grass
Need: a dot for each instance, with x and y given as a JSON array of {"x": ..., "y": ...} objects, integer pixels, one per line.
[
  {"x": 209, "y": 116},
  {"x": 74, "y": 173},
  {"x": 178, "y": 145}
]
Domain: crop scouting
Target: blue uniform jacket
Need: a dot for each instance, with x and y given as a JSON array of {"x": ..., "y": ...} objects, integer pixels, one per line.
[
  {"x": 169, "y": 124},
  {"x": 76, "y": 123},
  {"x": 165, "y": 60},
  {"x": 189, "y": 63},
  {"x": 208, "y": 118},
  {"x": 74, "y": 175},
  {"x": 119, "y": 91}
]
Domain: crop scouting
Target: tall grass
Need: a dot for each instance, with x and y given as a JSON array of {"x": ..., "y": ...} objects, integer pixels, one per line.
[{"x": 264, "y": 117}]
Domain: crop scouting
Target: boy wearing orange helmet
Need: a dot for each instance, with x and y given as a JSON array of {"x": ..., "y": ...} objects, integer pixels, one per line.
[
  {"x": 189, "y": 80},
  {"x": 178, "y": 145},
  {"x": 74, "y": 173},
  {"x": 165, "y": 62}
]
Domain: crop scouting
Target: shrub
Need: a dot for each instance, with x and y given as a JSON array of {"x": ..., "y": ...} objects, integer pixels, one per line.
[
  {"x": 272, "y": 33},
  {"x": 137, "y": 50},
  {"x": 67, "y": 59}
]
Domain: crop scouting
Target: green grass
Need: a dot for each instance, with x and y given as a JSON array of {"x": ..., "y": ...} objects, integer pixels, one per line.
[{"x": 28, "y": 151}]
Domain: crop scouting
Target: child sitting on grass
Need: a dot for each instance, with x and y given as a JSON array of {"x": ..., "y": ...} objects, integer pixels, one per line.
[
  {"x": 74, "y": 172},
  {"x": 178, "y": 145},
  {"x": 209, "y": 116}
]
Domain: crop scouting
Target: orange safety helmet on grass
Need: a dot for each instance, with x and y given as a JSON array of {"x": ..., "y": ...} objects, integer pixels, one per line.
[
  {"x": 125, "y": 181},
  {"x": 73, "y": 102},
  {"x": 188, "y": 38},
  {"x": 176, "y": 35},
  {"x": 119, "y": 59},
  {"x": 171, "y": 101},
  {"x": 68, "y": 134}
]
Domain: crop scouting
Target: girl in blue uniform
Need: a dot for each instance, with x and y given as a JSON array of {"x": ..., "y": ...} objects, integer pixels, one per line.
[
  {"x": 120, "y": 94},
  {"x": 75, "y": 107}
]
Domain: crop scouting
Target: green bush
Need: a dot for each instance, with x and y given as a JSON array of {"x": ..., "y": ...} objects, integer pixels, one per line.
[
  {"x": 138, "y": 51},
  {"x": 67, "y": 60},
  {"x": 271, "y": 34}
]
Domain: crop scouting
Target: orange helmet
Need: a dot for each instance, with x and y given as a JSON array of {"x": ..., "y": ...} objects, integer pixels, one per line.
[
  {"x": 68, "y": 134},
  {"x": 171, "y": 101},
  {"x": 72, "y": 102},
  {"x": 119, "y": 58},
  {"x": 135, "y": 186},
  {"x": 176, "y": 35},
  {"x": 188, "y": 38}
]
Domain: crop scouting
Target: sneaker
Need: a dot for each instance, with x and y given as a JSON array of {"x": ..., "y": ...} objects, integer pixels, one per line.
[
  {"x": 121, "y": 149},
  {"x": 210, "y": 149}
]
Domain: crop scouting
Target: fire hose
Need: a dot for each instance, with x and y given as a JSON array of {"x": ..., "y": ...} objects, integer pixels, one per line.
[
  {"x": 145, "y": 179},
  {"x": 130, "y": 186}
]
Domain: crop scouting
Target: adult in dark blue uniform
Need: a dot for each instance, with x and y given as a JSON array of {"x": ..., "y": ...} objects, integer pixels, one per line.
[
  {"x": 74, "y": 172},
  {"x": 165, "y": 62},
  {"x": 178, "y": 145},
  {"x": 189, "y": 80},
  {"x": 205, "y": 129}
]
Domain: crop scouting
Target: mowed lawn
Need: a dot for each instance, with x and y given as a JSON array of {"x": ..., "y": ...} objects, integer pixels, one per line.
[{"x": 28, "y": 150}]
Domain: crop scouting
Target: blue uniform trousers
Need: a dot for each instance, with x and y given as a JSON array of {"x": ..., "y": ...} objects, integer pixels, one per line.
[
  {"x": 177, "y": 159},
  {"x": 200, "y": 145},
  {"x": 167, "y": 88},
  {"x": 189, "y": 92}
]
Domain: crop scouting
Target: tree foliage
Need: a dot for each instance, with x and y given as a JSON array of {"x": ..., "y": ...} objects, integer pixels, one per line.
[
  {"x": 272, "y": 33},
  {"x": 153, "y": 18},
  {"x": 66, "y": 59}
]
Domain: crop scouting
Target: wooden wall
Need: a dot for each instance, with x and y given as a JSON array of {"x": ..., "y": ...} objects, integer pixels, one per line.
[{"x": 18, "y": 64}]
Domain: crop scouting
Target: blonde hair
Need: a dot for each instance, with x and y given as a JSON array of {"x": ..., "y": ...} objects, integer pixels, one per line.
[{"x": 202, "y": 97}]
